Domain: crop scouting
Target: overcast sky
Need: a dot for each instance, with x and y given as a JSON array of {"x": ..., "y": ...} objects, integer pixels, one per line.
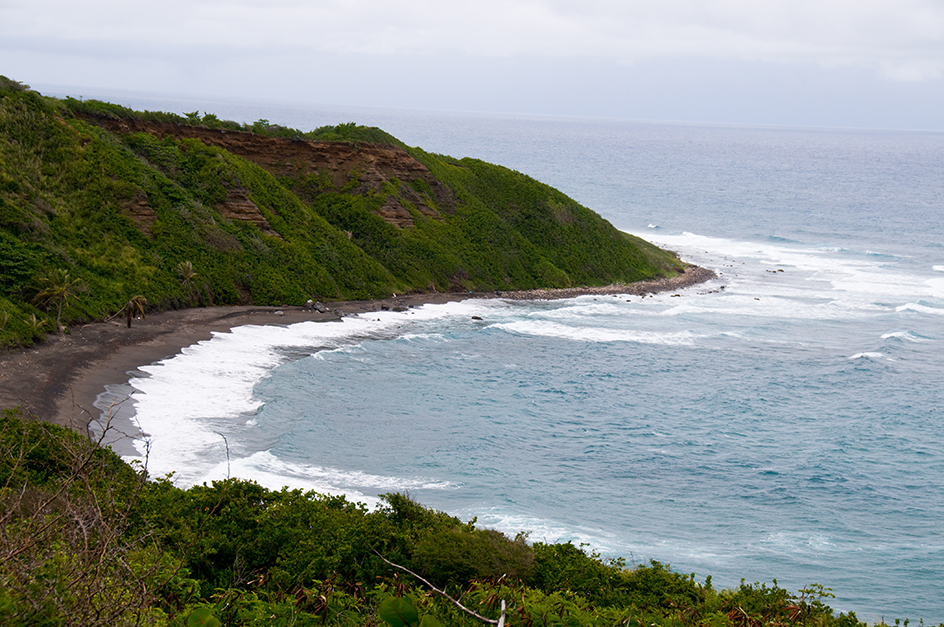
[{"x": 848, "y": 63}]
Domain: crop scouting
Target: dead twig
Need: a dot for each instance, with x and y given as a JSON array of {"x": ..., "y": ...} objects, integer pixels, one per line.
[{"x": 499, "y": 622}]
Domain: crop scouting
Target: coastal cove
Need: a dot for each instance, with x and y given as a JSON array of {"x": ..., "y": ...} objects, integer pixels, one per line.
[
  {"x": 800, "y": 439},
  {"x": 779, "y": 418},
  {"x": 62, "y": 378},
  {"x": 551, "y": 417}
]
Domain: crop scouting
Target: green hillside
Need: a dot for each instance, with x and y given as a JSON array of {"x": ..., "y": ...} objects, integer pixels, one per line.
[
  {"x": 100, "y": 204},
  {"x": 86, "y": 540}
]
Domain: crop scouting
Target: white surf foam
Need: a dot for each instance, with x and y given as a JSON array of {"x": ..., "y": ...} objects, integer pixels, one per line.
[
  {"x": 904, "y": 335},
  {"x": 276, "y": 473},
  {"x": 772, "y": 279},
  {"x": 271, "y": 472},
  {"x": 189, "y": 402},
  {"x": 597, "y": 334},
  {"x": 580, "y": 306},
  {"x": 538, "y": 529},
  {"x": 917, "y": 307},
  {"x": 610, "y": 545},
  {"x": 411, "y": 337},
  {"x": 868, "y": 355},
  {"x": 857, "y": 278},
  {"x": 936, "y": 287},
  {"x": 797, "y": 542}
]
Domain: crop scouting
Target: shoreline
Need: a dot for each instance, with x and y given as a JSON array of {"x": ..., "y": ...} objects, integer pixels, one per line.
[{"x": 60, "y": 380}]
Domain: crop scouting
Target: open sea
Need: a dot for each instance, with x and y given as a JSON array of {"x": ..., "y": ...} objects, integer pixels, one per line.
[{"x": 783, "y": 421}]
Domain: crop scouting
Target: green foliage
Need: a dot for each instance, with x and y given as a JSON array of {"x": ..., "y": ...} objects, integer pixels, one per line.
[
  {"x": 64, "y": 556},
  {"x": 351, "y": 132},
  {"x": 20, "y": 262},
  {"x": 56, "y": 218},
  {"x": 458, "y": 554},
  {"x": 400, "y": 612},
  {"x": 58, "y": 290},
  {"x": 570, "y": 242},
  {"x": 41, "y": 454},
  {"x": 85, "y": 541},
  {"x": 203, "y": 617},
  {"x": 99, "y": 109},
  {"x": 7, "y": 84},
  {"x": 124, "y": 213}
]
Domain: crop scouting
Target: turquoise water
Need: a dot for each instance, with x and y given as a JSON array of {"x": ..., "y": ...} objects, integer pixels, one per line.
[{"x": 786, "y": 426}]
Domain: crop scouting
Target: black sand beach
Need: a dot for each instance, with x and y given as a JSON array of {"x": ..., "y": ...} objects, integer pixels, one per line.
[{"x": 60, "y": 379}]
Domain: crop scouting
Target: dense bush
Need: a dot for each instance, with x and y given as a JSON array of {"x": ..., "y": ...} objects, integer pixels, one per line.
[
  {"x": 86, "y": 540},
  {"x": 65, "y": 556}
]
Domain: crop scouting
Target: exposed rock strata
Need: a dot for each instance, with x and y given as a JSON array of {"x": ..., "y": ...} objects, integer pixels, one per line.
[
  {"x": 339, "y": 163},
  {"x": 238, "y": 206},
  {"x": 141, "y": 213}
]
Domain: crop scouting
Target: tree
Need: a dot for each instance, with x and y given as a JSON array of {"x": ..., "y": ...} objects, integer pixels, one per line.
[
  {"x": 58, "y": 290},
  {"x": 185, "y": 270},
  {"x": 133, "y": 307}
]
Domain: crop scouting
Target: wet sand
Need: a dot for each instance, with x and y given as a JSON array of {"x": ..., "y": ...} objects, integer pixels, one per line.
[{"x": 60, "y": 379}]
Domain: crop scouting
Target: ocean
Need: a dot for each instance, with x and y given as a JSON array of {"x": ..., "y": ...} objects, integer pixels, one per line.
[{"x": 783, "y": 421}]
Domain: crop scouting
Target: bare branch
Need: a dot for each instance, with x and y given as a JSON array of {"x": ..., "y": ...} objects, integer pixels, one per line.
[{"x": 441, "y": 593}]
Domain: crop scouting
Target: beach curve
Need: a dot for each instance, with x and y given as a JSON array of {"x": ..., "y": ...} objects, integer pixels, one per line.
[{"x": 59, "y": 380}]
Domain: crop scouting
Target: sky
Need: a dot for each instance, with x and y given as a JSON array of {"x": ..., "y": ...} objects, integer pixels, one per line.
[{"x": 833, "y": 63}]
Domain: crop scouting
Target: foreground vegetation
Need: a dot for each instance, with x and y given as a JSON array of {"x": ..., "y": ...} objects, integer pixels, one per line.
[
  {"x": 107, "y": 211},
  {"x": 87, "y": 540},
  {"x": 99, "y": 217}
]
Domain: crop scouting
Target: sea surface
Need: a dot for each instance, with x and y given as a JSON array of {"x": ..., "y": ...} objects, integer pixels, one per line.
[{"x": 783, "y": 421}]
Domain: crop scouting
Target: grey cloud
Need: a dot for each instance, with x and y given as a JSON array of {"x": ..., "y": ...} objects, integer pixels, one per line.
[
  {"x": 900, "y": 38},
  {"x": 720, "y": 60}
]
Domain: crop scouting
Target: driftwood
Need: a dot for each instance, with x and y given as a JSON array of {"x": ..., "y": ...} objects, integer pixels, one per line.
[{"x": 500, "y": 622}]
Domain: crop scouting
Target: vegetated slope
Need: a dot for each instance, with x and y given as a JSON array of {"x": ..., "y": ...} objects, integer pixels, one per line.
[
  {"x": 86, "y": 540},
  {"x": 99, "y": 204}
]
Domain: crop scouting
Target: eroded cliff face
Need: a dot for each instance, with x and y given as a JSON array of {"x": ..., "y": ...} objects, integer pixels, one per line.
[{"x": 335, "y": 164}]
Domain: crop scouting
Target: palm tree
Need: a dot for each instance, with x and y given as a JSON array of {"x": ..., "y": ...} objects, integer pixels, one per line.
[
  {"x": 185, "y": 270},
  {"x": 35, "y": 323},
  {"x": 58, "y": 289},
  {"x": 135, "y": 305}
]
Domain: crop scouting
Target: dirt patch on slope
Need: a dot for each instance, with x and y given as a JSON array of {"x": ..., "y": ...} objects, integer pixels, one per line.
[{"x": 335, "y": 163}]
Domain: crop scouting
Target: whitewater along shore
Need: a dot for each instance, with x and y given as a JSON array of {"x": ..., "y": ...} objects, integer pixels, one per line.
[{"x": 60, "y": 379}]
